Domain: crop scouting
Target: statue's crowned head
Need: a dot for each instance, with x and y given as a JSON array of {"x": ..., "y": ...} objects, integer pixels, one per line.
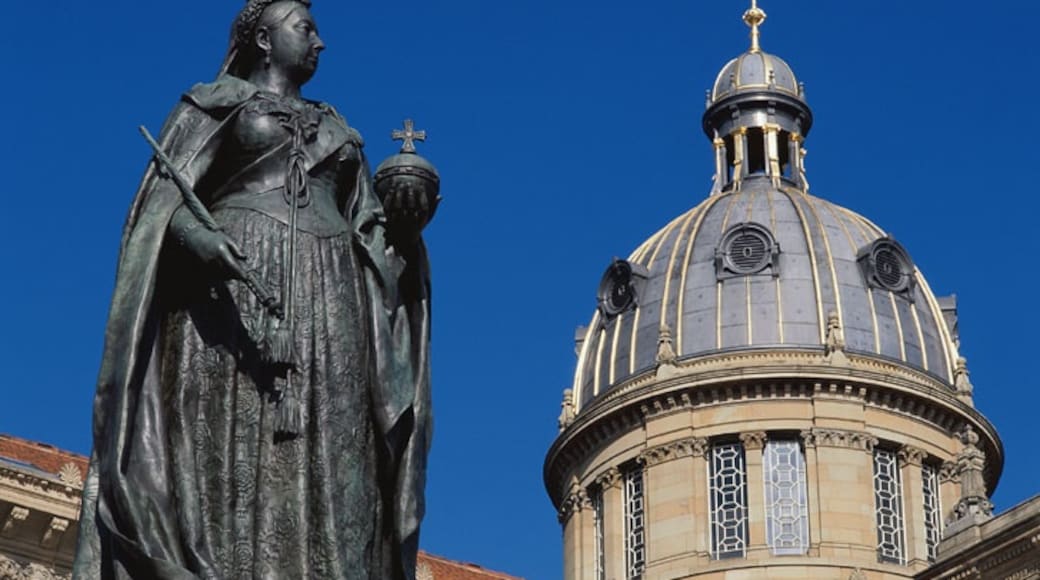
[{"x": 252, "y": 29}]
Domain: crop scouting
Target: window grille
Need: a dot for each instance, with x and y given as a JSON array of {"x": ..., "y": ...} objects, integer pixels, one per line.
[
  {"x": 597, "y": 515},
  {"x": 787, "y": 512},
  {"x": 635, "y": 521},
  {"x": 932, "y": 510},
  {"x": 728, "y": 492},
  {"x": 888, "y": 504}
]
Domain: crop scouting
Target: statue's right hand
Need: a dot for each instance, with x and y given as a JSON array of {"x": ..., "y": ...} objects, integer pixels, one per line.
[{"x": 213, "y": 248}]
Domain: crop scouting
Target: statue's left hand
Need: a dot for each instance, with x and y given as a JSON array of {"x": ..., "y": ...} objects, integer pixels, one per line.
[{"x": 408, "y": 210}]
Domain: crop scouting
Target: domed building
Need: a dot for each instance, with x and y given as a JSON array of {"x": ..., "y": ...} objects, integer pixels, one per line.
[{"x": 768, "y": 387}]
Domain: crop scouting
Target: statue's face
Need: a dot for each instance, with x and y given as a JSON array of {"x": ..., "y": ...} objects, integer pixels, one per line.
[{"x": 294, "y": 43}]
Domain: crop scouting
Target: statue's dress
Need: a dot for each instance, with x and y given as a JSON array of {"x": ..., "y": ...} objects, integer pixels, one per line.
[
  {"x": 190, "y": 478},
  {"x": 253, "y": 503}
]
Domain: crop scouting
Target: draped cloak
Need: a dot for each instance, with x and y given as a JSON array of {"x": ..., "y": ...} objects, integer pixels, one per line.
[{"x": 129, "y": 526}]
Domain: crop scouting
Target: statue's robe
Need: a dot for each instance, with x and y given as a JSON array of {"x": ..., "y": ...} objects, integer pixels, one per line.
[{"x": 129, "y": 526}]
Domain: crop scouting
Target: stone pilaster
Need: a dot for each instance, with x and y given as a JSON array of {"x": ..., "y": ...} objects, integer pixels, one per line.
[
  {"x": 910, "y": 459},
  {"x": 572, "y": 514},
  {"x": 671, "y": 480},
  {"x": 812, "y": 480},
  {"x": 754, "y": 445},
  {"x": 844, "y": 480},
  {"x": 610, "y": 482}
]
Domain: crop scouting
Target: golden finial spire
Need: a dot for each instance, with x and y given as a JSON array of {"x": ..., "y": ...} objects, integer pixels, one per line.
[{"x": 754, "y": 17}]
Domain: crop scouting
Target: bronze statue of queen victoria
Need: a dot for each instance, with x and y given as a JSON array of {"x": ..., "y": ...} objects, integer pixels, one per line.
[{"x": 243, "y": 437}]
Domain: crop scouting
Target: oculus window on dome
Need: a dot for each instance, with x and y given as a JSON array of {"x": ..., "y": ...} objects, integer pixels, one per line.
[
  {"x": 886, "y": 265},
  {"x": 620, "y": 287},
  {"x": 747, "y": 249}
]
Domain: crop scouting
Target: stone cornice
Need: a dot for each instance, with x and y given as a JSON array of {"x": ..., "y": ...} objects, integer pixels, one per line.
[
  {"x": 51, "y": 488},
  {"x": 749, "y": 376}
]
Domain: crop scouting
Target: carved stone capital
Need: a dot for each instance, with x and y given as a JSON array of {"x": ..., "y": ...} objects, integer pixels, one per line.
[
  {"x": 52, "y": 536},
  {"x": 755, "y": 440},
  {"x": 807, "y": 438},
  {"x": 577, "y": 499},
  {"x": 911, "y": 455},
  {"x": 609, "y": 479},
  {"x": 847, "y": 439},
  {"x": 948, "y": 472},
  {"x": 689, "y": 447}
]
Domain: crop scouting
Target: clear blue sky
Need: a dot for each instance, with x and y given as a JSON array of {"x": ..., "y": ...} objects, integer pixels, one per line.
[{"x": 566, "y": 133}]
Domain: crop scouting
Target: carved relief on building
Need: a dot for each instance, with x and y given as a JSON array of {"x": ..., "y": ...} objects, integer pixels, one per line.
[
  {"x": 688, "y": 447},
  {"x": 14, "y": 570},
  {"x": 839, "y": 438}
]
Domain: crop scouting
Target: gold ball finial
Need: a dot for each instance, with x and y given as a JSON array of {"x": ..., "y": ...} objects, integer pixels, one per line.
[{"x": 754, "y": 17}]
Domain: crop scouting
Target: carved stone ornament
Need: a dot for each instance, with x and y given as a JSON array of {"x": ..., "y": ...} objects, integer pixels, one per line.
[
  {"x": 665, "y": 347},
  {"x": 755, "y": 440},
  {"x": 71, "y": 475},
  {"x": 961, "y": 378},
  {"x": 835, "y": 342},
  {"x": 857, "y": 574},
  {"x": 838, "y": 438},
  {"x": 423, "y": 572},
  {"x": 689, "y": 447},
  {"x": 567, "y": 410},
  {"x": 948, "y": 472},
  {"x": 15, "y": 570},
  {"x": 912, "y": 455},
  {"x": 974, "y": 506},
  {"x": 610, "y": 478}
]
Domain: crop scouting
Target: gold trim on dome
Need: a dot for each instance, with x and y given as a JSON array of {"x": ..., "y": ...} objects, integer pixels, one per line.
[
  {"x": 945, "y": 338},
  {"x": 671, "y": 268},
  {"x": 578, "y": 387},
  {"x": 920, "y": 332},
  {"x": 899, "y": 325},
  {"x": 855, "y": 251},
  {"x": 597, "y": 372},
  {"x": 613, "y": 350},
  {"x": 820, "y": 320},
  {"x": 704, "y": 207},
  {"x": 810, "y": 201}
]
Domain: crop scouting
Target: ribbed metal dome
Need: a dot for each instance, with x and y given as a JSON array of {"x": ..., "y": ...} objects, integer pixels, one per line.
[
  {"x": 755, "y": 71},
  {"x": 702, "y": 291}
]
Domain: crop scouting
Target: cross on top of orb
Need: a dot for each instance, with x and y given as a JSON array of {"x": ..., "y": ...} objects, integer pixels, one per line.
[{"x": 409, "y": 136}]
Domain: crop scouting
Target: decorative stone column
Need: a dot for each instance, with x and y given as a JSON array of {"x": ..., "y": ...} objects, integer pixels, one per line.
[
  {"x": 671, "y": 480},
  {"x": 910, "y": 460},
  {"x": 573, "y": 512},
  {"x": 610, "y": 483},
  {"x": 754, "y": 443},
  {"x": 701, "y": 505},
  {"x": 812, "y": 483}
]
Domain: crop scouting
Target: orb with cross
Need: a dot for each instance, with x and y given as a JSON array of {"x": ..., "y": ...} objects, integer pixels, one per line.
[{"x": 407, "y": 184}]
